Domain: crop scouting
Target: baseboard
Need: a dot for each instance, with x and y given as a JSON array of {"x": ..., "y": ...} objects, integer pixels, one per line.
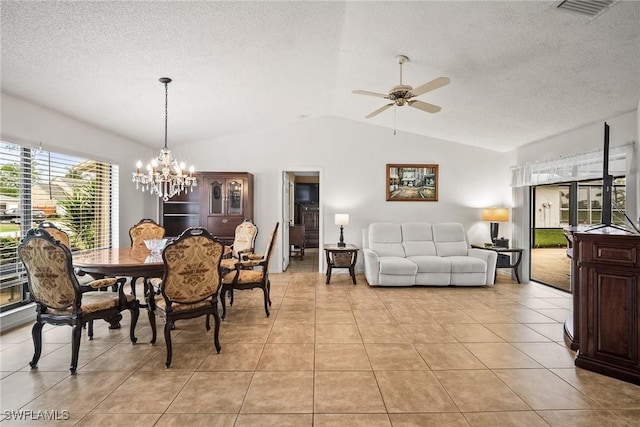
[{"x": 17, "y": 317}]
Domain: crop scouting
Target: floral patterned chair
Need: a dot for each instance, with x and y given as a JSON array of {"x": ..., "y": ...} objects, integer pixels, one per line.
[
  {"x": 243, "y": 244},
  {"x": 59, "y": 299},
  {"x": 143, "y": 230},
  {"x": 190, "y": 284},
  {"x": 251, "y": 272}
]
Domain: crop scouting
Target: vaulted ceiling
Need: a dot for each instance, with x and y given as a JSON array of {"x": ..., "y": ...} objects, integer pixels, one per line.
[{"x": 520, "y": 71}]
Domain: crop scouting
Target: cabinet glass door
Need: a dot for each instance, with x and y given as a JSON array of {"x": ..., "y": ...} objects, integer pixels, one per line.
[
  {"x": 216, "y": 197},
  {"x": 235, "y": 197}
]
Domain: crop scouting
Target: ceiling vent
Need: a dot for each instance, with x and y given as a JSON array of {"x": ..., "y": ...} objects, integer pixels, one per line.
[{"x": 591, "y": 8}]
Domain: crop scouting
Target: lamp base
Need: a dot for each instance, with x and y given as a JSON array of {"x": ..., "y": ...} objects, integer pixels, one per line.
[
  {"x": 494, "y": 232},
  {"x": 341, "y": 243}
]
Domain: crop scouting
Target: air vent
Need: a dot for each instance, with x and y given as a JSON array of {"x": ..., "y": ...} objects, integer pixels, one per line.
[{"x": 590, "y": 8}]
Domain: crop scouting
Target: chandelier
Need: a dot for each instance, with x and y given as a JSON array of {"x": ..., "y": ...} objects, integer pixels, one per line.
[{"x": 163, "y": 175}]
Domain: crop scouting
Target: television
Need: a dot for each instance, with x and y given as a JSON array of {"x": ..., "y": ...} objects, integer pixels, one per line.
[{"x": 307, "y": 192}]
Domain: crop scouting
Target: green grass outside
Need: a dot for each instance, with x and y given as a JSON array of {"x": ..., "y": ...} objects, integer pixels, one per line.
[
  {"x": 550, "y": 238},
  {"x": 9, "y": 227}
]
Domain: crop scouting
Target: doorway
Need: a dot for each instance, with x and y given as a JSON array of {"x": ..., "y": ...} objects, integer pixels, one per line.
[{"x": 301, "y": 213}]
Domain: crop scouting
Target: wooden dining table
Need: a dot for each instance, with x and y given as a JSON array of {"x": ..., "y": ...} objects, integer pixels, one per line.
[{"x": 129, "y": 261}]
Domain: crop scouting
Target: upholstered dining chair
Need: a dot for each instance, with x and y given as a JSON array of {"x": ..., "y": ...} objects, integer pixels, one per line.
[
  {"x": 243, "y": 244},
  {"x": 59, "y": 299},
  {"x": 251, "y": 272},
  {"x": 143, "y": 230},
  {"x": 190, "y": 285}
]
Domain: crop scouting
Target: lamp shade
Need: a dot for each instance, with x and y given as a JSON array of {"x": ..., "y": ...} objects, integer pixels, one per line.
[
  {"x": 342, "y": 219},
  {"x": 495, "y": 214}
]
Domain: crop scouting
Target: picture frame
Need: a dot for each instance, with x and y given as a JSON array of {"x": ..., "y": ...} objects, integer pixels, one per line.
[{"x": 412, "y": 182}]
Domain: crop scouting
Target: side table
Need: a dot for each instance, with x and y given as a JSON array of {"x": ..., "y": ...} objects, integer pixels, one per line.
[
  {"x": 341, "y": 257},
  {"x": 505, "y": 260}
]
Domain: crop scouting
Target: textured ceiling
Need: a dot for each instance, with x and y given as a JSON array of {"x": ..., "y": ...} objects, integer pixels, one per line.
[{"x": 520, "y": 71}]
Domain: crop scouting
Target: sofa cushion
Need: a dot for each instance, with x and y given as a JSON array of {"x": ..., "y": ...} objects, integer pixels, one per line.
[
  {"x": 386, "y": 239},
  {"x": 431, "y": 264},
  {"x": 450, "y": 239},
  {"x": 392, "y": 265},
  {"x": 466, "y": 264},
  {"x": 417, "y": 239}
]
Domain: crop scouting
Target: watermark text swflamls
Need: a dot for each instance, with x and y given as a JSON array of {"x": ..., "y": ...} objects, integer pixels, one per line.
[{"x": 39, "y": 415}]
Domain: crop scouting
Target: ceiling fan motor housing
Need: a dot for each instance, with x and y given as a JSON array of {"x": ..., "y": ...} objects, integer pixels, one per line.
[{"x": 400, "y": 94}]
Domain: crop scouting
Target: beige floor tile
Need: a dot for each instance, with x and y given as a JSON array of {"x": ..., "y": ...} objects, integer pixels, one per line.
[
  {"x": 233, "y": 357},
  {"x": 122, "y": 357},
  {"x": 274, "y": 420},
  {"x": 526, "y": 315},
  {"x": 428, "y": 420},
  {"x": 333, "y": 303},
  {"x": 471, "y": 332},
  {"x": 334, "y": 317},
  {"x": 501, "y": 355},
  {"x": 20, "y": 388},
  {"x": 366, "y": 303},
  {"x": 451, "y": 315},
  {"x": 516, "y": 332},
  {"x": 479, "y": 390},
  {"x": 394, "y": 357},
  {"x": 549, "y": 355},
  {"x": 157, "y": 389},
  {"x": 427, "y": 333},
  {"x": 351, "y": 420},
  {"x": 542, "y": 389},
  {"x": 373, "y": 317},
  {"x": 488, "y": 316},
  {"x": 253, "y": 334},
  {"x": 382, "y": 333},
  {"x": 287, "y": 357},
  {"x": 297, "y": 317},
  {"x": 79, "y": 393},
  {"x": 341, "y": 357},
  {"x": 279, "y": 392},
  {"x": 291, "y": 333},
  {"x": 185, "y": 356},
  {"x": 413, "y": 391},
  {"x": 631, "y": 417},
  {"x": 118, "y": 420},
  {"x": 60, "y": 359},
  {"x": 196, "y": 420},
  {"x": 411, "y": 315},
  {"x": 444, "y": 356},
  {"x": 583, "y": 418},
  {"x": 249, "y": 317},
  {"x": 505, "y": 419},
  {"x": 608, "y": 392},
  {"x": 18, "y": 356},
  {"x": 553, "y": 331},
  {"x": 212, "y": 392},
  {"x": 347, "y": 392},
  {"x": 338, "y": 334}
]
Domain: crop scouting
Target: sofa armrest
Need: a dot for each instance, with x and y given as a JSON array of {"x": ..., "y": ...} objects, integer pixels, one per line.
[
  {"x": 371, "y": 266},
  {"x": 490, "y": 257}
]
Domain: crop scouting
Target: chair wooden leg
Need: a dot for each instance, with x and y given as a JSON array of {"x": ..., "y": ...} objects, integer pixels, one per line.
[
  {"x": 36, "y": 333},
  {"x": 167, "y": 339},
  {"x": 207, "y": 323},
  {"x": 216, "y": 329},
  {"x": 76, "y": 334},
  {"x": 265, "y": 291},
  {"x": 135, "y": 313},
  {"x": 152, "y": 323},
  {"x": 90, "y": 328},
  {"x": 224, "y": 305}
]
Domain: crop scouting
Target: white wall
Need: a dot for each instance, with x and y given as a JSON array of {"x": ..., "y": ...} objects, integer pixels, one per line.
[
  {"x": 352, "y": 158},
  {"x": 31, "y": 125}
]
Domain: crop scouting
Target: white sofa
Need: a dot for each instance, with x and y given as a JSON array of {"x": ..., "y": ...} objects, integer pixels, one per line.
[{"x": 419, "y": 253}]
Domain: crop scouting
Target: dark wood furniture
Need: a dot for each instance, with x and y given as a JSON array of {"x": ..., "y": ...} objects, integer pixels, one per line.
[
  {"x": 297, "y": 241},
  {"x": 310, "y": 217},
  {"x": 606, "y": 314},
  {"x": 504, "y": 257},
  {"x": 133, "y": 262},
  {"x": 341, "y": 257},
  {"x": 220, "y": 203}
]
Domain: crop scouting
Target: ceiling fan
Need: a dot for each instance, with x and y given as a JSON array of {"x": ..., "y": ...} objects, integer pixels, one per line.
[{"x": 402, "y": 94}]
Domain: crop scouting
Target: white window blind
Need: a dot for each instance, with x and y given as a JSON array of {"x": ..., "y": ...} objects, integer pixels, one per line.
[
  {"x": 76, "y": 194},
  {"x": 577, "y": 167}
]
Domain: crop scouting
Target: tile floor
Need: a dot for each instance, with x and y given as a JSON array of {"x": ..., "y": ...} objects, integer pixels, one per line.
[{"x": 336, "y": 355}]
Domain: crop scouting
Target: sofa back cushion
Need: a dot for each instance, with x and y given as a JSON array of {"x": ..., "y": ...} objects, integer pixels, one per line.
[
  {"x": 417, "y": 239},
  {"x": 385, "y": 239},
  {"x": 450, "y": 239}
]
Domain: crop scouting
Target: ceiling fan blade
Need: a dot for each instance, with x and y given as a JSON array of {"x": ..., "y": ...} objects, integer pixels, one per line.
[
  {"x": 366, "y": 92},
  {"x": 432, "y": 85},
  {"x": 379, "y": 110},
  {"x": 424, "y": 106}
]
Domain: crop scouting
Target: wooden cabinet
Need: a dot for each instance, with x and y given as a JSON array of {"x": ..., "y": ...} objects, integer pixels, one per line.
[
  {"x": 310, "y": 218},
  {"x": 607, "y": 310},
  {"x": 221, "y": 201}
]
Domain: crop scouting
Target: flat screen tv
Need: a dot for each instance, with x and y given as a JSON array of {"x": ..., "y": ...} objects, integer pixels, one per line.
[{"x": 307, "y": 192}]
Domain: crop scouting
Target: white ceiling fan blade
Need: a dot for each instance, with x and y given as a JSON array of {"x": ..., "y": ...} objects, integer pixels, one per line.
[
  {"x": 429, "y": 86},
  {"x": 424, "y": 106},
  {"x": 378, "y": 111},
  {"x": 366, "y": 92}
]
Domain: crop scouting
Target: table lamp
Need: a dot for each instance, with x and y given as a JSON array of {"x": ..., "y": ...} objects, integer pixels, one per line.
[
  {"x": 494, "y": 215},
  {"x": 342, "y": 220}
]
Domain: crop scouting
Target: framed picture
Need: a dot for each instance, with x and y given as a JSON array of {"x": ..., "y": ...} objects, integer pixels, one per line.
[{"x": 412, "y": 183}]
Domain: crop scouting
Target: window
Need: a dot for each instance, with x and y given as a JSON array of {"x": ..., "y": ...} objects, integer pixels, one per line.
[{"x": 75, "y": 194}]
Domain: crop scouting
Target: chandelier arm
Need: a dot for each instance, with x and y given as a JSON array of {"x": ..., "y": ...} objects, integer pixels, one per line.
[{"x": 166, "y": 110}]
